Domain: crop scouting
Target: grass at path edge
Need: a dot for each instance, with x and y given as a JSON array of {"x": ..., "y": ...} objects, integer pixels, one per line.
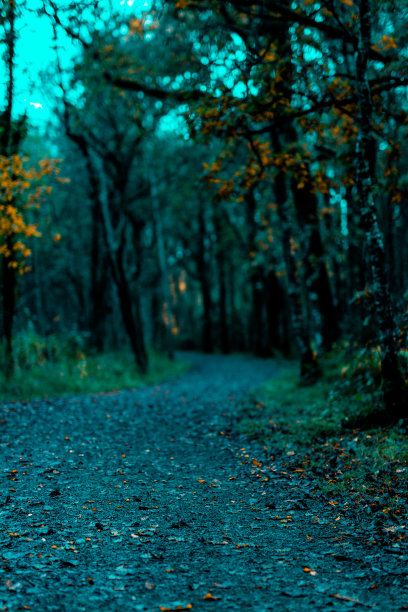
[
  {"x": 83, "y": 374},
  {"x": 311, "y": 428}
]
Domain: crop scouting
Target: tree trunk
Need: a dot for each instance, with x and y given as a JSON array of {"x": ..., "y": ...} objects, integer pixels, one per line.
[
  {"x": 257, "y": 315},
  {"x": 276, "y": 331},
  {"x": 222, "y": 283},
  {"x": 99, "y": 279},
  {"x": 316, "y": 276},
  {"x": 8, "y": 147},
  {"x": 38, "y": 293},
  {"x": 162, "y": 260},
  {"x": 223, "y": 321},
  {"x": 107, "y": 204},
  {"x": 131, "y": 315},
  {"x": 115, "y": 239},
  {"x": 203, "y": 273},
  {"x": 156, "y": 315},
  {"x": 394, "y": 387},
  {"x": 9, "y": 304},
  {"x": 99, "y": 257},
  {"x": 309, "y": 367}
]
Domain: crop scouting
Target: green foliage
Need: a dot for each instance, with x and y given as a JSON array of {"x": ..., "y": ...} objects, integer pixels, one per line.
[
  {"x": 30, "y": 349},
  {"x": 356, "y": 390},
  {"x": 282, "y": 407},
  {"x": 53, "y": 366},
  {"x": 325, "y": 431}
]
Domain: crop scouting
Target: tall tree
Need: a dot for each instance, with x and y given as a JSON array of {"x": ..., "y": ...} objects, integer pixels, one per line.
[
  {"x": 394, "y": 386},
  {"x": 10, "y": 138}
]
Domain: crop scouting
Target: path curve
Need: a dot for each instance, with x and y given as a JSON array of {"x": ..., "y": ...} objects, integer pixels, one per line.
[{"x": 140, "y": 500}]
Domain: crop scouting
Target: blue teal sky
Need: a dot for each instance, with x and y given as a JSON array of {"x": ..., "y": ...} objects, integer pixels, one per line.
[{"x": 34, "y": 53}]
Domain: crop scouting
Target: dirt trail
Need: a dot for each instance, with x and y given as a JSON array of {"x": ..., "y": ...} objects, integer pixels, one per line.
[{"x": 135, "y": 500}]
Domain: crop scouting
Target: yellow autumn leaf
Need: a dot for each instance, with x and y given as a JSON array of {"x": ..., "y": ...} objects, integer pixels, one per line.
[{"x": 209, "y": 596}]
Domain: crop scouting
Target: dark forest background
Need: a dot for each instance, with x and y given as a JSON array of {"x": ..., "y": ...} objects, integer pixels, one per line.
[{"x": 217, "y": 176}]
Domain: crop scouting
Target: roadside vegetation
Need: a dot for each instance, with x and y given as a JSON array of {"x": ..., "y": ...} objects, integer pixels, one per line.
[
  {"x": 335, "y": 433},
  {"x": 54, "y": 367}
]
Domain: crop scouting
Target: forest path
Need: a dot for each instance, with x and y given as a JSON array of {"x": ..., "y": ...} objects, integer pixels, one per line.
[{"x": 134, "y": 500}]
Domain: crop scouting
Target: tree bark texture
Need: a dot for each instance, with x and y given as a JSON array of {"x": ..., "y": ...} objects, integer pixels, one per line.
[
  {"x": 316, "y": 276},
  {"x": 162, "y": 260},
  {"x": 394, "y": 387},
  {"x": 309, "y": 368},
  {"x": 205, "y": 283},
  {"x": 99, "y": 274},
  {"x": 257, "y": 323},
  {"x": 222, "y": 283},
  {"x": 9, "y": 146}
]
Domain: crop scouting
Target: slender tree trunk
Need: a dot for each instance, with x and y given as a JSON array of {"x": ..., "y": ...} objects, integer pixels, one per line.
[
  {"x": 99, "y": 257},
  {"x": 38, "y": 294},
  {"x": 286, "y": 325},
  {"x": 162, "y": 260},
  {"x": 394, "y": 387},
  {"x": 131, "y": 315},
  {"x": 115, "y": 239},
  {"x": 222, "y": 283},
  {"x": 130, "y": 305},
  {"x": 7, "y": 149},
  {"x": 203, "y": 273},
  {"x": 156, "y": 315},
  {"x": 309, "y": 367},
  {"x": 276, "y": 333},
  {"x": 316, "y": 276},
  {"x": 257, "y": 314},
  {"x": 99, "y": 279},
  {"x": 10, "y": 42},
  {"x": 356, "y": 313},
  {"x": 9, "y": 304},
  {"x": 223, "y": 322},
  {"x": 236, "y": 332}
]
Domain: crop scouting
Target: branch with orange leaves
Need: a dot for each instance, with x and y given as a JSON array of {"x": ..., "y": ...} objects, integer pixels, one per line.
[{"x": 20, "y": 190}]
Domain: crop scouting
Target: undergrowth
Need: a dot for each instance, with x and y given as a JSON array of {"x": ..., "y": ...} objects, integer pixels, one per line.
[
  {"x": 59, "y": 366},
  {"x": 319, "y": 430}
]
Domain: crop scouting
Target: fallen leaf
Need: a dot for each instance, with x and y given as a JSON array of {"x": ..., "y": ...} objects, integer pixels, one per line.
[
  {"x": 210, "y": 597},
  {"x": 150, "y": 586},
  {"x": 167, "y": 609},
  {"x": 343, "y": 597}
]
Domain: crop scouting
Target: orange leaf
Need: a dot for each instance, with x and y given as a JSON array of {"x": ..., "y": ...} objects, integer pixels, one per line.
[
  {"x": 310, "y": 571},
  {"x": 337, "y": 596},
  {"x": 167, "y": 609}
]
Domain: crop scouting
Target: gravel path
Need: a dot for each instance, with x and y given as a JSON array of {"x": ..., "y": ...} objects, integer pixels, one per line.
[{"x": 142, "y": 500}]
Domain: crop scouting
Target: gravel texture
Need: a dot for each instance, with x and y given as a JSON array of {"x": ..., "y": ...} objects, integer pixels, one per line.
[{"x": 147, "y": 500}]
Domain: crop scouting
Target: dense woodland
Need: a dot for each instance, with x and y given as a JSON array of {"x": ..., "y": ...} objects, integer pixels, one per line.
[{"x": 217, "y": 175}]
